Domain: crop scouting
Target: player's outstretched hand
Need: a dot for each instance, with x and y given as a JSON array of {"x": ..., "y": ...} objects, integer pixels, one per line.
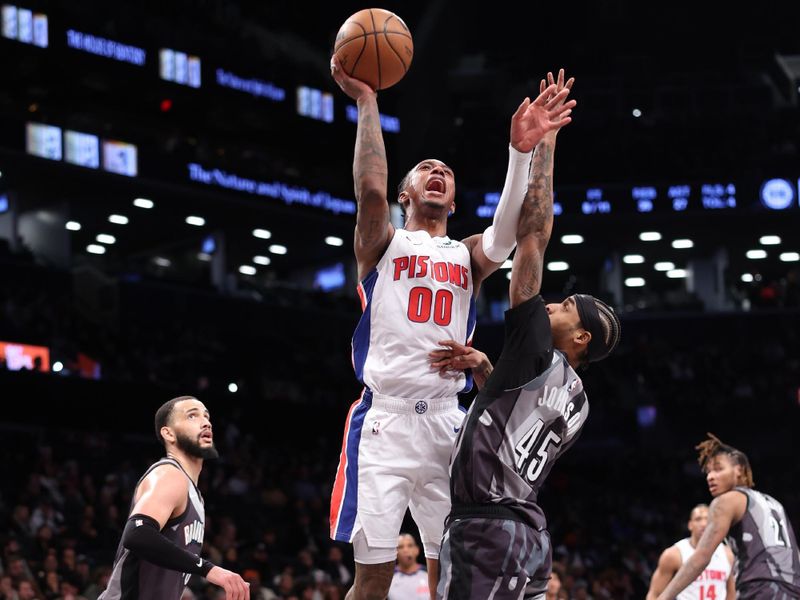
[
  {"x": 235, "y": 587},
  {"x": 355, "y": 88},
  {"x": 560, "y": 84},
  {"x": 549, "y": 112},
  {"x": 455, "y": 357}
]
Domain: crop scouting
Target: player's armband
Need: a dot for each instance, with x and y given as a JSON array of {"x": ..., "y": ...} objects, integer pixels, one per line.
[
  {"x": 143, "y": 538},
  {"x": 500, "y": 237}
]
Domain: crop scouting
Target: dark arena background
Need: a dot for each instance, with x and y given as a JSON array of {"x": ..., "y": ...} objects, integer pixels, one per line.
[{"x": 177, "y": 213}]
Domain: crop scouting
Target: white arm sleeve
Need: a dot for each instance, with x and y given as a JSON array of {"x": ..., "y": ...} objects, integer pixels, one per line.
[{"x": 500, "y": 237}]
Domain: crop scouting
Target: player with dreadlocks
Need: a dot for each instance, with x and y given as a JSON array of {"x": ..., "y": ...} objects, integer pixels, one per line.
[{"x": 757, "y": 530}]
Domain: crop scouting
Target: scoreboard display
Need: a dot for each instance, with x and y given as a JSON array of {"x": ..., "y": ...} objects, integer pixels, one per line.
[{"x": 724, "y": 195}]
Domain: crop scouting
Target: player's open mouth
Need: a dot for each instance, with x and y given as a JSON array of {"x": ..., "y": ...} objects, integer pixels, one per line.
[
  {"x": 208, "y": 437},
  {"x": 436, "y": 184}
]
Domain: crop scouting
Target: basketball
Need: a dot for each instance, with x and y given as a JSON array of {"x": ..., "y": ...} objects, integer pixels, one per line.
[{"x": 375, "y": 46}]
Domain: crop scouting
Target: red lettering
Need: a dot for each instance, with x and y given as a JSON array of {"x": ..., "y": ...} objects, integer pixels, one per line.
[
  {"x": 708, "y": 592},
  {"x": 440, "y": 271},
  {"x": 422, "y": 263},
  {"x": 419, "y": 304},
  {"x": 400, "y": 265},
  {"x": 421, "y": 266},
  {"x": 443, "y": 307},
  {"x": 421, "y": 301},
  {"x": 455, "y": 273}
]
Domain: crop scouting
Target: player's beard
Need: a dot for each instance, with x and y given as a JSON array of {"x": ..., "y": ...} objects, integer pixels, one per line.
[{"x": 193, "y": 447}]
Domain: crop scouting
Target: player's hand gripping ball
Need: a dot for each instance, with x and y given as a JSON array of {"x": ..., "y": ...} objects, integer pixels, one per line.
[{"x": 375, "y": 46}]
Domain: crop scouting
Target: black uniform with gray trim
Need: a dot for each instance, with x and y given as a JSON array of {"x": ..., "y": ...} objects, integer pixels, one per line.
[
  {"x": 135, "y": 579},
  {"x": 767, "y": 558},
  {"x": 529, "y": 413}
]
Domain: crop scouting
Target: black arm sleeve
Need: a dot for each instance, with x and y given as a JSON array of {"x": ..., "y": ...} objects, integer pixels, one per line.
[
  {"x": 143, "y": 538},
  {"x": 527, "y": 349}
]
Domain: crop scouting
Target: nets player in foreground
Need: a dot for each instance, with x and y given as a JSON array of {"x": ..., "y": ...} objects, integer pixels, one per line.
[
  {"x": 161, "y": 543},
  {"x": 757, "y": 530},
  {"x": 417, "y": 287},
  {"x": 529, "y": 412},
  {"x": 716, "y": 582}
]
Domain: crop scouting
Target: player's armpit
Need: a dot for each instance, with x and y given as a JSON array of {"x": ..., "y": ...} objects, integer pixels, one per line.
[
  {"x": 163, "y": 494},
  {"x": 482, "y": 265}
]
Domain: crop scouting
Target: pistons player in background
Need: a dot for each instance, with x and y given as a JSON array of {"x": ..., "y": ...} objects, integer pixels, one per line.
[
  {"x": 716, "y": 582},
  {"x": 530, "y": 410},
  {"x": 161, "y": 543},
  {"x": 755, "y": 525},
  {"x": 417, "y": 286}
]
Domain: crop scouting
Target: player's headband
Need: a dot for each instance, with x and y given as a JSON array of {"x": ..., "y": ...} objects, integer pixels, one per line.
[{"x": 605, "y": 332}]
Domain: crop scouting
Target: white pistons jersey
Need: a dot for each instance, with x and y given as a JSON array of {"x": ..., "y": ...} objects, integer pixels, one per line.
[
  {"x": 418, "y": 294},
  {"x": 712, "y": 584}
]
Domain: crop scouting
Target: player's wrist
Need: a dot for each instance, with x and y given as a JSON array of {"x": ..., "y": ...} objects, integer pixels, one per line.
[
  {"x": 366, "y": 96},
  {"x": 517, "y": 155},
  {"x": 549, "y": 137},
  {"x": 206, "y": 567}
]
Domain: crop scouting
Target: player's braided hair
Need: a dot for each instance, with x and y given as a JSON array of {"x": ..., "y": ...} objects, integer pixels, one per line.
[
  {"x": 713, "y": 446},
  {"x": 611, "y": 332},
  {"x": 611, "y": 327}
]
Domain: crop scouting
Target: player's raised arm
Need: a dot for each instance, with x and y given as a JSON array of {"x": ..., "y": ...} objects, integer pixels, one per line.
[
  {"x": 529, "y": 124},
  {"x": 536, "y": 216},
  {"x": 370, "y": 173}
]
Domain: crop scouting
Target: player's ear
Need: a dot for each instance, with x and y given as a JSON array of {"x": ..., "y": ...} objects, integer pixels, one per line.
[
  {"x": 167, "y": 434},
  {"x": 405, "y": 202},
  {"x": 582, "y": 337}
]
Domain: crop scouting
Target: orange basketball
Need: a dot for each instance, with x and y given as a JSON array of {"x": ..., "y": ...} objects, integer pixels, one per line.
[{"x": 375, "y": 46}]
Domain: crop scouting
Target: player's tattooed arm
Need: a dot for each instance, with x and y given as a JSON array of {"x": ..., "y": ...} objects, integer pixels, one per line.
[
  {"x": 370, "y": 173},
  {"x": 721, "y": 515},
  {"x": 535, "y": 226},
  {"x": 536, "y": 217}
]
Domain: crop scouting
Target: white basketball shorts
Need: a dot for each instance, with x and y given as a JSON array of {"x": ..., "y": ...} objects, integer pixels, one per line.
[{"x": 395, "y": 455}]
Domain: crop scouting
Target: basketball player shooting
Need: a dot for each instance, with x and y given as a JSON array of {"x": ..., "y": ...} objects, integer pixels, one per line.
[
  {"x": 529, "y": 412},
  {"x": 161, "y": 543},
  {"x": 417, "y": 286},
  {"x": 756, "y": 527}
]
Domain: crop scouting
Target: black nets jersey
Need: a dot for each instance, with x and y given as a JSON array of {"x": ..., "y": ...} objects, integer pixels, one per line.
[
  {"x": 764, "y": 544},
  {"x": 135, "y": 579},
  {"x": 529, "y": 413}
]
